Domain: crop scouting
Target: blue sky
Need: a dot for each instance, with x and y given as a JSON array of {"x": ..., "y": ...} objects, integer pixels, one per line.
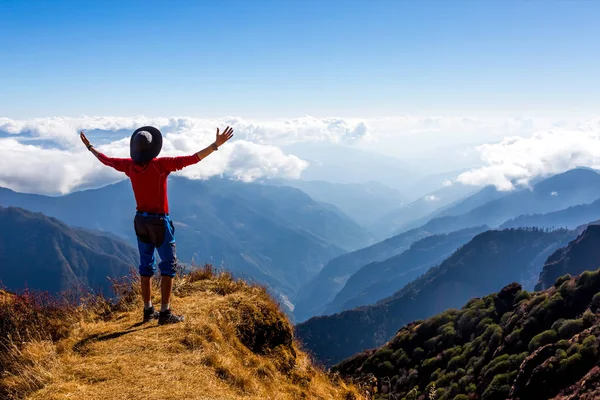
[{"x": 289, "y": 58}]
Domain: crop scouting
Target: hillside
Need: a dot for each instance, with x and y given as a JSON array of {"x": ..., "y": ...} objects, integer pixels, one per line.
[
  {"x": 581, "y": 254},
  {"x": 321, "y": 289},
  {"x": 485, "y": 264},
  {"x": 569, "y": 218},
  {"x": 278, "y": 236},
  {"x": 508, "y": 345},
  {"x": 487, "y": 206},
  {"x": 235, "y": 344},
  {"x": 378, "y": 280},
  {"x": 42, "y": 253}
]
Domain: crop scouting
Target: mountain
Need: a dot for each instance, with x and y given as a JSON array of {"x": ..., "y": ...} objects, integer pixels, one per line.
[
  {"x": 344, "y": 164},
  {"x": 420, "y": 211},
  {"x": 278, "y": 236},
  {"x": 478, "y": 199},
  {"x": 490, "y": 261},
  {"x": 580, "y": 255},
  {"x": 569, "y": 218},
  {"x": 236, "y": 344},
  {"x": 574, "y": 187},
  {"x": 378, "y": 280},
  {"x": 321, "y": 289},
  {"x": 486, "y": 207},
  {"x": 363, "y": 202},
  {"x": 42, "y": 253},
  {"x": 511, "y": 345}
]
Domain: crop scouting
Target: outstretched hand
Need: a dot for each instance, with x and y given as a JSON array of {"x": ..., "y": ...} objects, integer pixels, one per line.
[
  {"x": 84, "y": 139},
  {"x": 223, "y": 137}
]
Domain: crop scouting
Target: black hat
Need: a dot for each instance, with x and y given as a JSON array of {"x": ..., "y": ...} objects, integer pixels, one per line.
[{"x": 146, "y": 143}]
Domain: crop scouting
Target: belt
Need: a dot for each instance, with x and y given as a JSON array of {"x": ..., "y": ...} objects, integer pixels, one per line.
[{"x": 146, "y": 214}]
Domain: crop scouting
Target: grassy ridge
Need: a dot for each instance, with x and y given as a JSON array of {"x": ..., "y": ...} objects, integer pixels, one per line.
[{"x": 235, "y": 344}]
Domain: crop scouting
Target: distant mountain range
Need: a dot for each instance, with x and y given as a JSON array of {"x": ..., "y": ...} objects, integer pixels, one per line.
[
  {"x": 278, "y": 236},
  {"x": 569, "y": 218},
  {"x": 485, "y": 264},
  {"x": 486, "y": 206},
  {"x": 378, "y": 280},
  {"x": 42, "y": 253},
  {"x": 574, "y": 187}
]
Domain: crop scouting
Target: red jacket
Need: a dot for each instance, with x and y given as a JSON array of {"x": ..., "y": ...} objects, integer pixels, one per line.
[{"x": 150, "y": 182}]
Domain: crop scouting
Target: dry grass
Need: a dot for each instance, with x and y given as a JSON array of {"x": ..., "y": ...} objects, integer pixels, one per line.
[{"x": 235, "y": 344}]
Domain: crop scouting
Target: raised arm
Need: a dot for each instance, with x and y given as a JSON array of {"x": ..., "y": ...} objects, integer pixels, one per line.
[
  {"x": 120, "y": 164},
  {"x": 172, "y": 164},
  {"x": 219, "y": 141}
]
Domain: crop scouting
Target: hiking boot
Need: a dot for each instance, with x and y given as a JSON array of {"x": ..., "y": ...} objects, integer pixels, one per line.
[
  {"x": 150, "y": 314},
  {"x": 167, "y": 317}
]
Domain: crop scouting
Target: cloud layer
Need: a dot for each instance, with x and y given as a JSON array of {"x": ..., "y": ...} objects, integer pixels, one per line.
[
  {"x": 44, "y": 155},
  {"x": 514, "y": 161}
]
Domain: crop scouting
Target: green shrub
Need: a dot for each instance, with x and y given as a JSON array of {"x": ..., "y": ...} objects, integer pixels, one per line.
[
  {"x": 536, "y": 300},
  {"x": 418, "y": 354},
  {"x": 523, "y": 295},
  {"x": 589, "y": 318},
  {"x": 456, "y": 362},
  {"x": 558, "y": 283},
  {"x": 588, "y": 279},
  {"x": 461, "y": 397},
  {"x": 570, "y": 327},
  {"x": 589, "y": 341},
  {"x": 506, "y": 317},
  {"x": 596, "y": 302},
  {"x": 385, "y": 369},
  {"x": 400, "y": 359},
  {"x": 574, "y": 349},
  {"x": 501, "y": 367},
  {"x": 499, "y": 387},
  {"x": 557, "y": 324},
  {"x": 384, "y": 353},
  {"x": 542, "y": 339},
  {"x": 570, "y": 363}
]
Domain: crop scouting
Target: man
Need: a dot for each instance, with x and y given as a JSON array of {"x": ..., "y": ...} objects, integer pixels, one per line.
[{"x": 153, "y": 226}]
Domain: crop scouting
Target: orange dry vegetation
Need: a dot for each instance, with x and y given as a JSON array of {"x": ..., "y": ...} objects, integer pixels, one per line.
[{"x": 235, "y": 344}]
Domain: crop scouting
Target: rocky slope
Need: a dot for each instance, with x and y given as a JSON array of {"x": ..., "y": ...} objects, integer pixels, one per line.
[{"x": 511, "y": 345}]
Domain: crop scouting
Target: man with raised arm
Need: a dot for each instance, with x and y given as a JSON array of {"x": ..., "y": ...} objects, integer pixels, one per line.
[{"x": 153, "y": 226}]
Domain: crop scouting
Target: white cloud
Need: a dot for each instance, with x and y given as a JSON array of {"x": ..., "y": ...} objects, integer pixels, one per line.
[
  {"x": 514, "y": 161},
  {"x": 33, "y": 166},
  {"x": 431, "y": 197},
  {"x": 531, "y": 146},
  {"x": 447, "y": 183},
  {"x": 277, "y": 132},
  {"x": 554, "y": 194}
]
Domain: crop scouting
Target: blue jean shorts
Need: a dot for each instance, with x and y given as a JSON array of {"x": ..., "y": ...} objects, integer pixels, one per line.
[{"x": 156, "y": 232}]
